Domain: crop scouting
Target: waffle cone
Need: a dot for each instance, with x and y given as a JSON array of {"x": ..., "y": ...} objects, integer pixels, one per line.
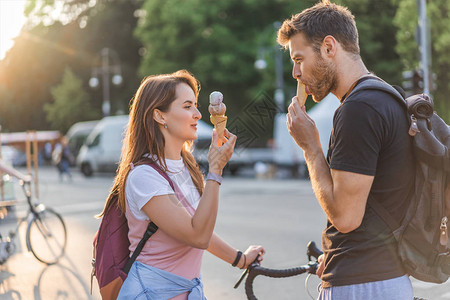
[
  {"x": 301, "y": 93},
  {"x": 220, "y": 122}
]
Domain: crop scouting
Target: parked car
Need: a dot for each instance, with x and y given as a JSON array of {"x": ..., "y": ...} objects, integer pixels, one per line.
[{"x": 14, "y": 156}]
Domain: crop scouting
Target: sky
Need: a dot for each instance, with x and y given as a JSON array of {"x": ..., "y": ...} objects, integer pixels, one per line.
[{"x": 11, "y": 21}]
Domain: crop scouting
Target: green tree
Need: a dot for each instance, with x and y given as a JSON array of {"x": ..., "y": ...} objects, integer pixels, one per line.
[
  {"x": 377, "y": 36},
  {"x": 30, "y": 68},
  {"x": 110, "y": 23},
  {"x": 47, "y": 12},
  {"x": 70, "y": 104},
  {"x": 5, "y": 108},
  {"x": 406, "y": 19}
]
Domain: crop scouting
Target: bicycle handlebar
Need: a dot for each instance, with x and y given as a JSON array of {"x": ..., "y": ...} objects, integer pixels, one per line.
[
  {"x": 254, "y": 269},
  {"x": 13, "y": 172}
]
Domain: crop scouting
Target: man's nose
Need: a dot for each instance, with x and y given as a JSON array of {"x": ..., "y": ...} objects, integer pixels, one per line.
[{"x": 296, "y": 73}]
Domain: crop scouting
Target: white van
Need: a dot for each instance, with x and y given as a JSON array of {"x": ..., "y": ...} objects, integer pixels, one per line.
[
  {"x": 78, "y": 134},
  {"x": 102, "y": 149}
]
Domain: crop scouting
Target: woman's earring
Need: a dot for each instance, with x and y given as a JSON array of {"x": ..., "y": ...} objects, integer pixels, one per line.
[{"x": 165, "y": 125}]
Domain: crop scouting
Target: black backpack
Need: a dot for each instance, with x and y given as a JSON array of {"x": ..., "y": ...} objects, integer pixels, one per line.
[{"x": 422, "y": 236}]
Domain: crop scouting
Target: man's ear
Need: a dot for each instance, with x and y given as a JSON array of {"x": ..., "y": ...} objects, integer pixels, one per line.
[
  {"x": 329, "y": 46},
  {"x": 158, "y": 116}
]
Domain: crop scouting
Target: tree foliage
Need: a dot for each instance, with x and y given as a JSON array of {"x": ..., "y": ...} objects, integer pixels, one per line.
[
  {"x": 47, "y": 12},
  {"x": 377, "y": 37},
  {"x": 30, "y": 68},
  {"x": 406, "y": 20},
  {"x": 71, "y": 103}
]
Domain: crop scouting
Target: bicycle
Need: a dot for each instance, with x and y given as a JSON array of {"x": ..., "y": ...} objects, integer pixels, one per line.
[{"x": 46, "y": 235}]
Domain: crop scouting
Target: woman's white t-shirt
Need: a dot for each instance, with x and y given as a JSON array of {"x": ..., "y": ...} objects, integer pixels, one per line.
[{"x": 144, "y": 182}]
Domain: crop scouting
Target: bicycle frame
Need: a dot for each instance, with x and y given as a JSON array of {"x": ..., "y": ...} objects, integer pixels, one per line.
[{"x": 34, "y": 208}]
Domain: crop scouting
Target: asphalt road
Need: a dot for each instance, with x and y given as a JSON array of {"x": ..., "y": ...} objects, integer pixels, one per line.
[{"x": 281, "y": 215}]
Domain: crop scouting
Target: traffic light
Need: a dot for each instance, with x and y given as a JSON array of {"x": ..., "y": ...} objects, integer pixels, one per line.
[
  {"x": 418, "y": 82},
  {"x": 412, "y": 82}
]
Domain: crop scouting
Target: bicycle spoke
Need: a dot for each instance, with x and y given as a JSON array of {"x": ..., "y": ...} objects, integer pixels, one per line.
[{"x": 46, "y": 236}]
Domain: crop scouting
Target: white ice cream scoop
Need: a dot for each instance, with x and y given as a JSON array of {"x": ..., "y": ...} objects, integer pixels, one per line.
[
  {"x": 216, "y": 106},
  {"x": 215, "y": 98}
]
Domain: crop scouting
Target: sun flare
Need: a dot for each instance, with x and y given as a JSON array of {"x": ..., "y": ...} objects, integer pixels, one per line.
[{"x": 11, "y": 20}]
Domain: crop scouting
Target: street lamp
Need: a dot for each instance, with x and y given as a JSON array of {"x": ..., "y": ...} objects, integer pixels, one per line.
[{"x": 110, "y": 67}]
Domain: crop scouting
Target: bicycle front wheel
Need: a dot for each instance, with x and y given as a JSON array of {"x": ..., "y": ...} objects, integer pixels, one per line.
[{"x": 46, "y": 236}]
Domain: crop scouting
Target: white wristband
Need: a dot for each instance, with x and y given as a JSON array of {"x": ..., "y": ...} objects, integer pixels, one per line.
[{"x": 213, "y": 176}]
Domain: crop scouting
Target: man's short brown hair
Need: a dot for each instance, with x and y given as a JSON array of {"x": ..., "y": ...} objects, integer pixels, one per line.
[{"x": 317, "y": 22}]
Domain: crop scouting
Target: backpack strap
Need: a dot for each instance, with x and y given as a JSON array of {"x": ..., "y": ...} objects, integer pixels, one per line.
[
  {"x": 372, "y": 82},
  {"x": 152, "y": 227},
  {"x": 383, "y": 213}
]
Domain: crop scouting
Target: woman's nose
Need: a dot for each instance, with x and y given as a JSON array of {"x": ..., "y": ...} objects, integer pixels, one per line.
[{"x": 197, "y": 114}]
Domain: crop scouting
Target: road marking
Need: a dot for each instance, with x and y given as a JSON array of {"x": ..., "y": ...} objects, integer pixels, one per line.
[{"x": 76, "y": 208}]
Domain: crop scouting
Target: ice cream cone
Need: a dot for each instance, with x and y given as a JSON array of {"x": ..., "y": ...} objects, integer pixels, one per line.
[
  {"x": 220, "y": 122},
  {"x": 301, "y": 93},
  {"x": 217, "y": 110}
]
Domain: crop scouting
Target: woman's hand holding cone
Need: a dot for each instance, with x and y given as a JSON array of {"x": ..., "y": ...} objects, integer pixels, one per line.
[{"x": 219, "y": 154}]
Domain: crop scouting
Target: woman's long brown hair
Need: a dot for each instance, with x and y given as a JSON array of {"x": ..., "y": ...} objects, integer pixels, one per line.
[{"x": 144, "y": 136}]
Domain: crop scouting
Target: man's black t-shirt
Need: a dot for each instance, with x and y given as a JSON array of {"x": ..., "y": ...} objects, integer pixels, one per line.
[{"x": 370, "y": 136}]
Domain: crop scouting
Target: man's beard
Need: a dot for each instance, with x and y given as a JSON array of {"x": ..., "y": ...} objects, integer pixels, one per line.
[{"x": 324, "y": 79}]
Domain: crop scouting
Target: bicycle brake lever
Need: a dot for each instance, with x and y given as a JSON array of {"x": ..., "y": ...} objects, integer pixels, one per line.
[
  {"x": 313, "y": 251},
  {"x": 255, "y": 262},
  {"x": 241, "y": 278}
]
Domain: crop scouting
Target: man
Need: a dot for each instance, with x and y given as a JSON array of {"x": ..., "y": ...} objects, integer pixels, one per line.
[{"x": 370, "y": 155}]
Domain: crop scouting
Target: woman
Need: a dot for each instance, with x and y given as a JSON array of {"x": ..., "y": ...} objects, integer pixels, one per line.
[{"x": 162, "y": 125}]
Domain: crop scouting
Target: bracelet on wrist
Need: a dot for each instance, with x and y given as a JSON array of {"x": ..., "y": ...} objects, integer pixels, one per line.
[
  {"x": 215, "y": 177},
  {"x": 237, "y": 259},
  {"x": 245, "y": 261}
]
